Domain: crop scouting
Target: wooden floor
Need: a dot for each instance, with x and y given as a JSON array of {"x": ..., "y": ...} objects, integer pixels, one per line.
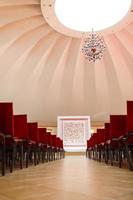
[{"x": 74, "y": 178}]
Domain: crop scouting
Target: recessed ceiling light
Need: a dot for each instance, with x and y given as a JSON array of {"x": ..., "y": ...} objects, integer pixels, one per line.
[{"x": 83, "y": 15}]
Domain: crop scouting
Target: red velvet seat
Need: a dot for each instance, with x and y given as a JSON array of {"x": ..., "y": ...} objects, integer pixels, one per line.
[
  {"x": 42, "y": 135},
  {"x": 99, "y": 142},
  {"x": 21, "y": 136},
  {"x": 21, "y": 127},
  {"x": 107, "y": 142},
  {"x": 118, "y": 129},
  {"x": 107, "y": 133},
  {"x": 54, "y": 147},
  {"x": 100, "y": 136},
  {"x": 50, "y": 149},
  {"x": 34, "y": 140},
  {"x": 130, "y": 121},
  {"x": 43, "y": 143},
  {"x": 11, "y": 127},
  {"x": 49, "y": 138},
  {"x": 129, "y": 134},
  {"x": 6, "y": 119},
  {"x": 117, "y": 126},
  {"x": 33, "y": 132},
  {"x": 59, "y": 146},
  {"x": 54, "y": 141},
  {"x": 6, "y": 129}
]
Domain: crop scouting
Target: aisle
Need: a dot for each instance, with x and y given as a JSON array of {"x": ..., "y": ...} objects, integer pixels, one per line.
[{"x": 74, "y": 178}]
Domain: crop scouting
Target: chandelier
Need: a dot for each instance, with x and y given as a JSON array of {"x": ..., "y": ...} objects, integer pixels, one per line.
[{"x": 93, "y": 47}]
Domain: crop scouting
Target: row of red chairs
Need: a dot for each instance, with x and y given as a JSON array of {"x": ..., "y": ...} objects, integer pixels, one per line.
[
  {"x": 114, "y": 143},
  {"x": 22, "y": 142}
]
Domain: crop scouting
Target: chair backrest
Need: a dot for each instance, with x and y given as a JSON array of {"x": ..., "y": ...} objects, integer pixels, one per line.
[
  {"x": 117, "y": 126},
  {"x": 54, "y": 141},
  {"x": 100, "y": 136},
  {"x": 33, "y": 131},
  {"x": 93, "y": 141},
  {"x": 107, "y": 132},
  {"x": 42, "y": 135},
  {"x": 6, "y": 118},
  {"x": 129, "y": 116},
  {"x": 58, "y": 142},
  {"x": 49, "y": 139},
  {"x": 62, "y": 144},
  {"x": 21, "y": 127}
]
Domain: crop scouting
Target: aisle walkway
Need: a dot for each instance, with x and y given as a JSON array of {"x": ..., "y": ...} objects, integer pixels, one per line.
[{"x": 74, "y": 178}]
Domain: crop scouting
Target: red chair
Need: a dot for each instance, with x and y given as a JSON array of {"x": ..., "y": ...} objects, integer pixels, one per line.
[
  {"x": 3, "y": 151},
  {"x": 21, "y": 137},
  {"x": 107, "y": 133},
  {"x": 33, "y": 140},
  {"x": 59, "y": 147},
  {"x": 92, "y": 147},
  {"x": 6, "y": 131},
  {"x": 101, "y": 144},
  {"x": 12, "y": 129},
  {"x": 107, "y": 142},
  {"x": 117, "y": 126},
  {"x": 50, "y": 149},
  {"x": 129, "y": 135},
  {"x": 43, "y": 143},
  {"x": 62, "y": 150},
  {"x": 117, "y": 132},
  {"x": 54, "y": 147}
]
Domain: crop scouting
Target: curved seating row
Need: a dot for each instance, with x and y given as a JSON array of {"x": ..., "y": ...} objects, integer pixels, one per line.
[
  {"x": 114, "y": 142},
  {"x": 23, "y": 143}
]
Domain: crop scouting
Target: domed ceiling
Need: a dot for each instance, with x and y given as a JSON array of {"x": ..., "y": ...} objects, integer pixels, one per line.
[{"x": 44, "y": 73}]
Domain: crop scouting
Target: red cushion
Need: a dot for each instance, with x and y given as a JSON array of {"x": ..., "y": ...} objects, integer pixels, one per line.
[
  {"x": 6, "y": 118},
  {"x": 129, "y": 116},
  {"x": 49, "y": 138},
  {"x": 20, "y": 126},
  {"x": 58, "y": 142},
  {"x": 62, "y": 144},
  {"x": 33, "y": 131},
  {"x": 100, "y": 136},
  {"x": 117, "y": 126},
  {"x": 107, "y": 131},
  {"x": 42, "y": 135},
  {"x": 130, "y": 140},
  {"x": 54, "y": 141},
  {"x": 93, "y": 139}
]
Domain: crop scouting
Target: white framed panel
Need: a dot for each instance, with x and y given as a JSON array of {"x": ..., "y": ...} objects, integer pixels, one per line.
[{"x": 74, "y": 130}]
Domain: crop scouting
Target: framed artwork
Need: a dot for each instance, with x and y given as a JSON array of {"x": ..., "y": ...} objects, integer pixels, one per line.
[{"x": 74, "y": 131}]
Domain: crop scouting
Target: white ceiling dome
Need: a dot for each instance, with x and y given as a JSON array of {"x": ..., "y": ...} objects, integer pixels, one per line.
[
  {"x": 43, "y": 72},
  {"x": 83, "y": 15}
]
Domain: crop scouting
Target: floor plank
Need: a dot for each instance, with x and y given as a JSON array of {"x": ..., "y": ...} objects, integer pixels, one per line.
[{"x": 74, "y": 178}]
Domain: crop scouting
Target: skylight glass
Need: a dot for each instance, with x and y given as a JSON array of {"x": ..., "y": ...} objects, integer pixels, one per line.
[{"x": 83, "y": 15}]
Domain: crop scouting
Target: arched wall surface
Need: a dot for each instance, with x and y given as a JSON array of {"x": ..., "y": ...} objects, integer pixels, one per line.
[{"x": 43, "y": 72}]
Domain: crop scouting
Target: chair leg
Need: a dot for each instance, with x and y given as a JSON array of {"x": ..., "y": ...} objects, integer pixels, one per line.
[
  {"x": 130, "y": 164},
  {"x": 3, "y": 157},
  {"x": 38, "y": 154},
  {"x": 111, "y": 155},
  {"x": 132, "y": 154},
  {"x": 120, "y": 158},
  {"x": 27, "y": 155},
  {"x": 35, "y": 156},
  {"x": 21, "y": 156},
  {"x": 12, "y": 161},
  {"x": 106, "y": 153},
  {"x": 100, "y": 154}
]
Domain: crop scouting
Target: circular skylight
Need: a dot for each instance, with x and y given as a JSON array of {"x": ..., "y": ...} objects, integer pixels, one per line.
[{"x": 83, "y": 15}]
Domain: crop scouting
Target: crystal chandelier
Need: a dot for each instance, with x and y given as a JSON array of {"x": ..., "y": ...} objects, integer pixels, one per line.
[{"x": 93, "y": 47}]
